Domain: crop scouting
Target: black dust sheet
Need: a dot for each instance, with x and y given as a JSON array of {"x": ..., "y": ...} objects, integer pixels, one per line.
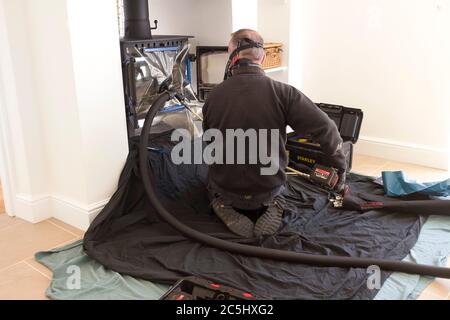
[{"x": 128, "y": 237}]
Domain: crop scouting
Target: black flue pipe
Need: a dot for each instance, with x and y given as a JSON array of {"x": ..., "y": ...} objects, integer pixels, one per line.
[{"x": 137, "y": 20}]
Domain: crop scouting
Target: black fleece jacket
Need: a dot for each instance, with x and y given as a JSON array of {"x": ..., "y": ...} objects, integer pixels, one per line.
[{"x": 251, "y": 100}]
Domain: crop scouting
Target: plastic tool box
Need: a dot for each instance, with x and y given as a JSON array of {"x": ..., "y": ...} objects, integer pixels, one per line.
[{"x": 304, "y": 152}]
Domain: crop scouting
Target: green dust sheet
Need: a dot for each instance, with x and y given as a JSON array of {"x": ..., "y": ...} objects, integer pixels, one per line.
[{"x": 70, "y": 263}]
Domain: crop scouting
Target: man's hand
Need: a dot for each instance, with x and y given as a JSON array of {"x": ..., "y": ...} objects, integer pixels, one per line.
[{"x": 340, "y": 186}]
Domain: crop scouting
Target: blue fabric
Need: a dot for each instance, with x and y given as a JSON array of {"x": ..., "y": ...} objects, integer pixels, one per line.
[{"x": 396, "y": 184}]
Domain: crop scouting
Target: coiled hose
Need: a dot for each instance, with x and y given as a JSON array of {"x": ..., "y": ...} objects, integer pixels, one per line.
[{"x": 253, "y": 251}]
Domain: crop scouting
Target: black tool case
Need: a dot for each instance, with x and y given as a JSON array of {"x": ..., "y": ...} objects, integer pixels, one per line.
[
  {"x": 304, "y": 153},
  {"x": 195, "y": 288}
]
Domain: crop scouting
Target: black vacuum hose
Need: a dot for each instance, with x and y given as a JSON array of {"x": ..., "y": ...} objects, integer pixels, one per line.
[{"x": 253, "y": 251}]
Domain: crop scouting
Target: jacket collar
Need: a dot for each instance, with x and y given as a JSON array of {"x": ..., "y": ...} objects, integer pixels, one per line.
[{"x": 247, "y": 69}]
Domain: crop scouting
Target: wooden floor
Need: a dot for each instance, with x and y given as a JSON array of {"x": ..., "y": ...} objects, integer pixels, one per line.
[{"x": 23, "y": 278}]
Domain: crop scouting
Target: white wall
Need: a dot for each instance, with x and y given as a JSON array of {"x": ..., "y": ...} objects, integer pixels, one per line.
[
  {"x": 98, "y": 82},
  {"x": 61, "y": 88},
  {"x": 209, "y": 21},
  {"x": 56, "y": 98},
  {"x": 390, "y": 57},
  {"x": 21, "y": 129},
  {"x": 245, "y": 14},
  {"x": 274, "y": 25}
]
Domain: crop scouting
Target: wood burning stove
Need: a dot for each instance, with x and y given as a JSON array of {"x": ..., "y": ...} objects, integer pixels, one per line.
[{"x": 147, "y": 61}]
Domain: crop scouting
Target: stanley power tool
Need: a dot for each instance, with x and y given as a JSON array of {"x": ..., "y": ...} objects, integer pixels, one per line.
[{"x": 322, "y": 176}]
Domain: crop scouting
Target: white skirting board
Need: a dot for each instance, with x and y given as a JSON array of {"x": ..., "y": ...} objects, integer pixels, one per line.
[
  {"x": 76, "y": 214},
  {"x": 32, "y": 209},
  {"x": 35, "y": 210},
  {"x": 398, "y": 151}
]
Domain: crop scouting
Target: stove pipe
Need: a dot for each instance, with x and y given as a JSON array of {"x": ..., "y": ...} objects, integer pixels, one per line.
[{"x": 137, "y": 22}]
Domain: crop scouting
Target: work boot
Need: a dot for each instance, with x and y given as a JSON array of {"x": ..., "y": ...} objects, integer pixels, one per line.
[
  {"x": 236, "y": 222},
  {"x": 270, "y": 221}
]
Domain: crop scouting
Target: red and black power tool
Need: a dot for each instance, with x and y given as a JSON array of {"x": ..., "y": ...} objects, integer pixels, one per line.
[
  {"x": 322, "y": 176},
  {"x": 195, "y": 288}
]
